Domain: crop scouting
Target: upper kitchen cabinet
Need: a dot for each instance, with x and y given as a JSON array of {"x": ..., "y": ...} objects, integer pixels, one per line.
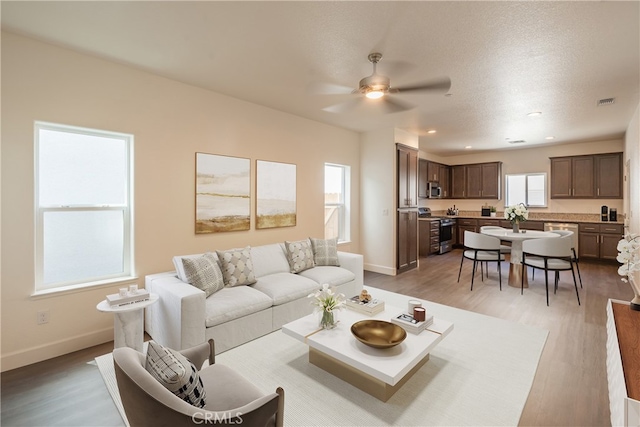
[
  {"x": 483, "y": 181},
  {"x": 587, "y": 177},
  {"x": 445, "y": 172},
  {"x": 609, "y": 173},
  {"x": 407, "y": 176},
  {"x": 458, "y": 181}
]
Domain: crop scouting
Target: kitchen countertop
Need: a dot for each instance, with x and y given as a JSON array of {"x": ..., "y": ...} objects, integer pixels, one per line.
[{"x": 542, "y": 217}]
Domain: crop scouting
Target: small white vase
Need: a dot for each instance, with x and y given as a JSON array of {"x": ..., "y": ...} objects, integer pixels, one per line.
[{"x": 635, "y": 302}]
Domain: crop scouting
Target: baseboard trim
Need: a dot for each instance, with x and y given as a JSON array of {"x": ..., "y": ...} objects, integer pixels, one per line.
[
  {"x": 389, "y": 271},
  {"x": 46, "y": 351}
]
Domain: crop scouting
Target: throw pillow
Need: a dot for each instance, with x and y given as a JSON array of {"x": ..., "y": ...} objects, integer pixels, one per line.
[
  {"x": 237, "y": 267},
  {"x": 176, "y": 373},
  {"x": 299, "y": 255},
  {"x": 204, "y": 273},
  {"x": 325, "y": 251}
]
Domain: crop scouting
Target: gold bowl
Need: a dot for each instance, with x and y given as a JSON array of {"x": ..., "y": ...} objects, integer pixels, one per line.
[{"x": 378, "y": 333}]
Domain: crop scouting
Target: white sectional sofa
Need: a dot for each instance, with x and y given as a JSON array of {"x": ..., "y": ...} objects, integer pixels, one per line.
[{"x": 183, "y": 317}]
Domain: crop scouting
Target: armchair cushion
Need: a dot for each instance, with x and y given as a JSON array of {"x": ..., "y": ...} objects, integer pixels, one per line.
[
  {"x": 176, "y": 373},
  {"x": 204, "y": 273}
]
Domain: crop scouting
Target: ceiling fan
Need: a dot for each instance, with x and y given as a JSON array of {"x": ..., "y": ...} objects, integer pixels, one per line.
[{"x": 376, "y": 88}]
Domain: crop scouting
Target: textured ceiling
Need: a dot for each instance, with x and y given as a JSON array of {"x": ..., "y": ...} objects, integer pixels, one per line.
[{"x": 505, "y": 59}]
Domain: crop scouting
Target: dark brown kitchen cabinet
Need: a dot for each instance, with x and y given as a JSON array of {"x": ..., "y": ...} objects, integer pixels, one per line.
[
  {"x": 458, "y": 181},
  {"x": 586, "y": 177},
  {"x": 599, "y": 240},
  {"x": 465, "y": 224},
  {"x": 609, "y": 175},
  {"x": 423, "y": 179},
  {"x": 407, "y": 177},
  {"x": 407, "y": 240},
  {"x": 433, "y": 172},
  {"x": 407, "y": 219},
  {"x": 445, "y": 171},
  {"x": 491, "y": 180},
  {"x": 473, "y": 186},
  {"x": 429, "y": 237}
]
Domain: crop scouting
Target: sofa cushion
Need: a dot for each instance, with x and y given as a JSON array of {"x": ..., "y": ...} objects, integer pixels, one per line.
[
  {"x": 232, "y": 303},
  {"x": 176, "y": 373},
  {"x": 333, "y": 276},
  {"x": 285, "y": 287},
  {"x": 269, "y": 259},
  {"x": 237, "y": 267},
  {"x": 179, "y": 265},
  {"x": 204, "y": 273},
  {"x": 299, "y": 255},
  {"x": 325, "y": 251}
]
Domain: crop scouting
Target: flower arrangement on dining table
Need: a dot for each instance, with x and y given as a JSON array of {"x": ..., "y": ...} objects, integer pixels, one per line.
[
  {"x": 629, "y": 257},
  {"x": 328, "y": 302},
  {"x": 516, "y": 213}
]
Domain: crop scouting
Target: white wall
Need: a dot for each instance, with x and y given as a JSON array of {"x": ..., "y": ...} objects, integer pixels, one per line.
[
  {"x": 170, "y": 121},
  {"x": 632, "y": 173},
  {"x": 530, "y": 160}
]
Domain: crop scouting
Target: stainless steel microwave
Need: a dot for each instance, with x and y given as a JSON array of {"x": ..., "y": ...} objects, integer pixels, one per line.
[{"x": 434, "y": 191}]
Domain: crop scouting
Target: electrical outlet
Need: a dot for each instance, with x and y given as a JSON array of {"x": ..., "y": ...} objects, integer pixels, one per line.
[{"x": 43, "y": 317}]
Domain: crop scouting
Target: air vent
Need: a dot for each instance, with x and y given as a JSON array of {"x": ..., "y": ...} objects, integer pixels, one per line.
[
  {"x": 606, "y": 101},
  {"x": 517, "y": 141}
]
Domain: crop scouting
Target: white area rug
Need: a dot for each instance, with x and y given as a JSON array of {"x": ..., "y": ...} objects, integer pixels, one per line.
[{"x": 480, "y": 374}]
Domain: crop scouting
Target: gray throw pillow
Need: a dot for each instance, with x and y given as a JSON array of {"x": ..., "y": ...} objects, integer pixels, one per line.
[
  {"x": 204, "y": 273},
  {"x": 299, "y": 255},
  {"x": 325, "y": 251},
  {"x": 176, "y": 373},
  {"x": 237, "y": 267}
]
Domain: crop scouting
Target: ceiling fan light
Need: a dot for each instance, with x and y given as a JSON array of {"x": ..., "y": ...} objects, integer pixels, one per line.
[{"x": 375, "y": 94}]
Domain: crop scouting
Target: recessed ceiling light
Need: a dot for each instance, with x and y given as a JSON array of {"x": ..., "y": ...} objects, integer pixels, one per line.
[
  {"x": 431, "y": 131},
  {"x": 550, "y": 138},
  {"x": 534, "y": 113},
  {"x": 468, "y": 147}
]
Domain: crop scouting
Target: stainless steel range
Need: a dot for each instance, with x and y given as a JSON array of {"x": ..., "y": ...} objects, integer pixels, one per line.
[{"x": 447, "y": 226}]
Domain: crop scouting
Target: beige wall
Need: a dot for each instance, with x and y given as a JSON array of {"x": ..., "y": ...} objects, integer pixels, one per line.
[
  {"x": 632, "y": 173},
  {"x": 530, "y": 160},
  {"x": 170, "y": 121}
]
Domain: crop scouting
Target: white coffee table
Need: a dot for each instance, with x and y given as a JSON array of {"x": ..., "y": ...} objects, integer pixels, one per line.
[
  {"x": 379, "y": 372},
  {"x": 128, "y": 322}
]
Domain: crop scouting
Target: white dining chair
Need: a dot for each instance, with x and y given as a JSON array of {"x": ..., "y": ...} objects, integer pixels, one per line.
[
  {"x": 569, "y": 234},
  {"x": 549, "y": 255},
  {"x": 504, "y": 249},
  {"x": 481, "y": 248}
]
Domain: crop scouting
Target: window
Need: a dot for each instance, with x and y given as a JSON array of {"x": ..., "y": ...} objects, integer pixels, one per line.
[
  {"x": 83, "y": 206},
  {"x": 336, "y": 201},
  {"x": 527, "y": 188}
]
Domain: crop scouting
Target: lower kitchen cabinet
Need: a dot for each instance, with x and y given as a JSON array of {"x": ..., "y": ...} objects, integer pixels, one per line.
[
  {"x": 599, "y": 240},
  {"x": 407, "y": 257},
  {"x": 429, "y": 237},
  {"x": 465, "y": 224}
]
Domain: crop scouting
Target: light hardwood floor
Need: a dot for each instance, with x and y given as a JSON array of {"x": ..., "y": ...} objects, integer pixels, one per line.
[{"x": 570, "y": 386}]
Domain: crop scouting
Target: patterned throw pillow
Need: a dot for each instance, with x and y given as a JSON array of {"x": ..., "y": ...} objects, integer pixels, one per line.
[
  {"x": 299, "y": 255},
  {"x": 176, "y": 373},
  {"x": 204, "y": 273},
  {"x": 325, "y": 252},
  {"x": 237, "y": 267}
]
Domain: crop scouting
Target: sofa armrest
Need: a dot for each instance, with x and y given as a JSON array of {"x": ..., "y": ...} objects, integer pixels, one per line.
[
  {"x": 177, "y": 320},
  {"x": 355, "y": 264}
]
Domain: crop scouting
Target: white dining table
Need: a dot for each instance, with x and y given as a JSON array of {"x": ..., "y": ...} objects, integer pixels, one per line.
[{"x": 516, "y": 272}]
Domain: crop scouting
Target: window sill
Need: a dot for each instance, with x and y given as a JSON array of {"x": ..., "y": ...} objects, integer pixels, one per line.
[{"x": 82, "y": 287}]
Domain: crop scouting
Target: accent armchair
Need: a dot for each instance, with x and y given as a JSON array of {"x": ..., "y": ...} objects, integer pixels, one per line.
[{"x": 230, "y": 398}]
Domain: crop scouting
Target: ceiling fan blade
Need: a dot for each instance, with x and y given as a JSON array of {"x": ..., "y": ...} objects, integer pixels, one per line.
[
  {"x": 390, "y": 105},
  {"x": 317, "y": 88},
  {"x": 345, "y": 107},
  {"x": 440, "y": 85}
]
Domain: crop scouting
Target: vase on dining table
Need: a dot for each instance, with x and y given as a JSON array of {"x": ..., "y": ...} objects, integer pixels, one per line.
[{"x": 515, "y": 226}]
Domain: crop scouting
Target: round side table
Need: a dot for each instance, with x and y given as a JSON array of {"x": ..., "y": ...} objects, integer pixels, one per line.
[{"x": 128, "y": 322}]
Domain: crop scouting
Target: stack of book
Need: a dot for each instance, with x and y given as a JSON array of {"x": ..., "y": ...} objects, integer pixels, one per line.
[
  {"x": 409, "y": 324},
  {"x": 116, "y": 300},
  {"x": 370, "y": 308}
]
